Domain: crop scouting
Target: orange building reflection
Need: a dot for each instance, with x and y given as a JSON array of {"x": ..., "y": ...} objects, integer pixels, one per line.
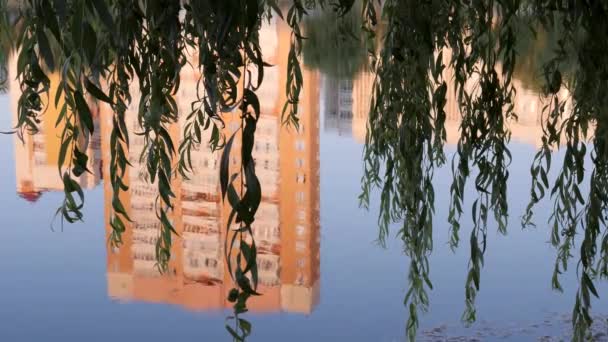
[
  {"x": 286, "y": 228},
  {"x": 36, "y": 157}
]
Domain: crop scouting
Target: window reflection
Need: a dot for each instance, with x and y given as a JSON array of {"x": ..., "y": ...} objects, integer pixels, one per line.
[{"x": 287, "y": 257}]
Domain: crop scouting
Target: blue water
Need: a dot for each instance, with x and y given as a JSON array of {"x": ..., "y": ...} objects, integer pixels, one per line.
[{"x": 53, "y": 284}]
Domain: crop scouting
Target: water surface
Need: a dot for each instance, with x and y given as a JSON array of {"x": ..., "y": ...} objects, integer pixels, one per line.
[{"x": 324, "y": 278}]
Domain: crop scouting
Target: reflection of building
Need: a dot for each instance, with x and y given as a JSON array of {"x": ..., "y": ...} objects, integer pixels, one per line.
[
  {"x": 529, "y": 109},
  {"x": 363, "y": 86},
  {"x": 286, "y": 228},
  {"x": 528, "y": 106},
  {"x": 36, "y": 157},
  {"x": 338, "y": 105}
]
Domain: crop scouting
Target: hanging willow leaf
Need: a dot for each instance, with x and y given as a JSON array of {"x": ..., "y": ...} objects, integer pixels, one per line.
[
  {"x": 96, "y": 92},
  {"x": 84, "y": 113},
  {"x": 90, "y": 43},
  {"x": 45, "y": 49},
  {"x": 104, "y": 13},
  {"x": 77, "y": 16},
  {"x": 225, "y": 165}
]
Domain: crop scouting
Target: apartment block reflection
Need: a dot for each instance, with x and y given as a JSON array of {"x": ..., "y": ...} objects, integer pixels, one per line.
[
  {"x": 363, "y": 86},
  {"x": 37, "y": 156},
  {"x": 338, "y": 105},
  {"x": 286, "y": 228}
]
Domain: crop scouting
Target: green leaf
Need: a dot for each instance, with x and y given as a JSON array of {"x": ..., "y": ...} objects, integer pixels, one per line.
[
  {"x": 65, "y": 144},
  {"x": 248, "y": 140},
  {"x": 254, "y": 190},
  {"x": 165, "y": 189},
  {"x": 45, "y": 49},
  {"x": 252, "y": 15},
  {"x": 90, "y": 43},
  {"x": 84, "y": 113},
  {"x": 275, "y": 7},
  {"x": 80, "y": 163},
  {"x": 251, "y": 99},
  {"x": 233, "y": 295},
  {"x": 167, "y": 138},
  {"x": 234, "y": 334},
  {"x": 234, "y": 200},
  {"x": 58, "y": 94},
  {"x": 244, "y": 283},
  {"x": 61, "y": 115},
  {"x": 544, "y": 178},
  {"x": 225, "y": 165},
  {"x": 245, "y": 326},
  {"x": 78, "y": 7},
  {"x": 104, "y": 13},
  {"x": 118, "y": 225},
  {"x": 96, "y": 92},
  {"x": 119, "y": 208},
  {"x": 70, "y": 186},
  {"x": 589, "y": 284},
  {"x": 51, "y": 20},
  {"x": 166, "y": 223}
]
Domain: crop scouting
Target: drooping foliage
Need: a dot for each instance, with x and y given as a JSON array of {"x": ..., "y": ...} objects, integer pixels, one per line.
[
  {"x": 6, "y": 45},
  {"x": 400, "y": 139},
  {"x": 474, "y": 44},
  {"x": 406, "y": 129},
  {"x": 104, "y": 49},
  {"x": 584, "y": 41},
  {"x": 333, "y": 44}
]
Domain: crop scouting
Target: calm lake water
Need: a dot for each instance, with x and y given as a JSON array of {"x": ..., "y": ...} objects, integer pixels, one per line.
[{"x": 323, "y": 276}]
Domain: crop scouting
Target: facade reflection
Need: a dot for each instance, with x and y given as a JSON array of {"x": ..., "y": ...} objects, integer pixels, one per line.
[
  {"x": 338, "y": 105},
  {"x": 286, "y": 228},
  {"x": 36, "y": 157}
]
